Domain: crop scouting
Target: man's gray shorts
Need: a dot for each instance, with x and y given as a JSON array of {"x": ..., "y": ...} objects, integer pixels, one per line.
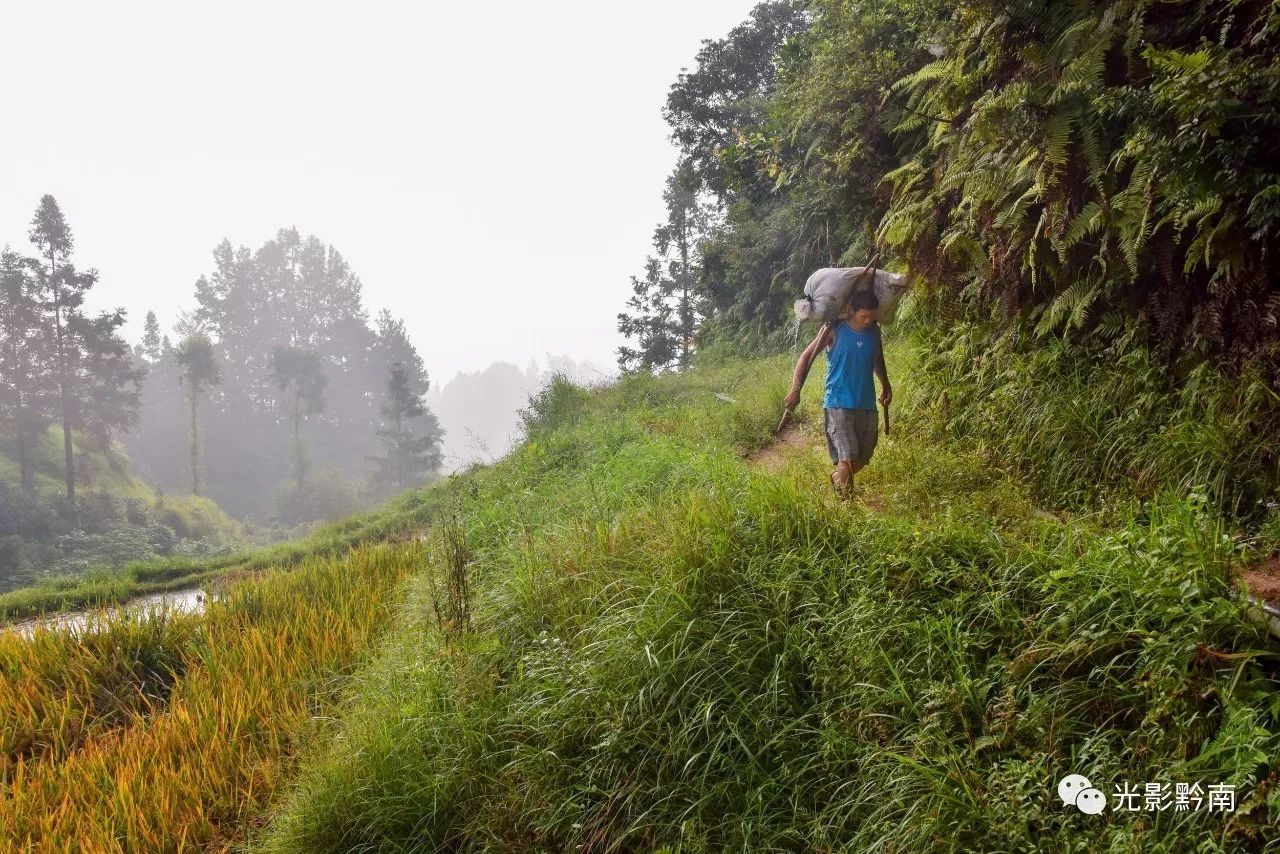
[{"x": 851, "y": 434}]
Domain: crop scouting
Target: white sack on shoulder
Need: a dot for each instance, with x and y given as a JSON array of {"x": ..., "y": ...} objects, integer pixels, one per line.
[{"x": 829, "y": 288}]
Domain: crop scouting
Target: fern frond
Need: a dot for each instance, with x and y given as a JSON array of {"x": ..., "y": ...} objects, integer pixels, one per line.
[
  {"x": 1091, "y": 149},
  {"x": 1057, "y": 134},
  {"x": 1091, "y": 219},
  {"x": 1015, "y": 212},
  {"x": 901, "y": 176},
  {"x": 935, "y": 70},
  {"x": 1068, "y": 307}
]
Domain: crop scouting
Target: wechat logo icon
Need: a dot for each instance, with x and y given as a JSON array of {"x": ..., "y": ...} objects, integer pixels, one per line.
[{"x": 1076, "y": 789}]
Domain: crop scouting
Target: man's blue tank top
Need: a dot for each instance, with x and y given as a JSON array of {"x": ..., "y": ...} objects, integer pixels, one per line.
[{"x": 850, "y": 362}]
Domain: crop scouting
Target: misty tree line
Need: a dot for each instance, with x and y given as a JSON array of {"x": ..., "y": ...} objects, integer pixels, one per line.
[
  {"x": 304, "y": 408},
  {"x": 277, "y": 367}
]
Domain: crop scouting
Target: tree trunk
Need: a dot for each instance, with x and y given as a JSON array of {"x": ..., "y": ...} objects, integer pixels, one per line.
[
  {"x": 686, "y": 315},
  {"x": 297, "y": 438},
  {"x": 68, "y": 451},
  {"x": 195, "y": 444},
  {"x": 24, "y": 463},
  {"x": 399, "y": 452}
]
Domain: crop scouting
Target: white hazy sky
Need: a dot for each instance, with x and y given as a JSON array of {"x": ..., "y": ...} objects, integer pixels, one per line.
[{"x": 493, "y": 172}]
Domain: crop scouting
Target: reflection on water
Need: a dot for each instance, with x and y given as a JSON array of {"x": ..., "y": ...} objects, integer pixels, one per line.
[{"x": 189, "y": 601}]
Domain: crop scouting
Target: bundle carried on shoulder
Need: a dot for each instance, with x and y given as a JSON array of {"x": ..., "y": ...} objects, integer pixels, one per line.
[{"x": 828, "y": 290}]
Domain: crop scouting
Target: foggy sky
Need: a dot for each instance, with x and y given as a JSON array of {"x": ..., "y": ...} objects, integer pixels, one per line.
[{"x": 493, "y": 172}]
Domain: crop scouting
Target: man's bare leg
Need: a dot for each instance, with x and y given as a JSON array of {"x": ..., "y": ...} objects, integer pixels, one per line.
[{"x": 842, "y": 477}]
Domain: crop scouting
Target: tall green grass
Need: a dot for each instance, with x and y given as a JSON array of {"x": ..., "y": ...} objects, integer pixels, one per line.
[
  {"x": 670, "y": 651},
  {"x": 1086, "y": 424}
]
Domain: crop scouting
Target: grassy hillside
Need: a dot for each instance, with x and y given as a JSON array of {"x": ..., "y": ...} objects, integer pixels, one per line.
[
  {"x": 96, "y": 470},
  {"x": 120, "y": 519},
  {"x": 632, "y": 635},
  {"x": 672, "y": 649}
]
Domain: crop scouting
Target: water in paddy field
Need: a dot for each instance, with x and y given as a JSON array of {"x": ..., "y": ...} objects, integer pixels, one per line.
[{"x": 189, "y": 601}]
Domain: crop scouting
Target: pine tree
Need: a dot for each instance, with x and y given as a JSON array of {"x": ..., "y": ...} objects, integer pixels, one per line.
[
  {"x": 410, "y": 457},
  {"x": 151, "y": 347},
  {"x": 199, "y": 370},
  {"x": 63, "y": 293},
  {"x": 687, "y": 221},
  {"x": 649, "y": 321},
  {"x": 663, "y": 306},
  {"x": 26, "y": 387},
  {"x": 395, "y": 348},
  {"x": 108, "y": 383},
  {"x": 90, "y": 362}
]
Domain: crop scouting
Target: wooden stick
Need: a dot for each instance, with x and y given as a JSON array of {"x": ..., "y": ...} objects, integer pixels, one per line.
[{"x": 782, "y": 422}]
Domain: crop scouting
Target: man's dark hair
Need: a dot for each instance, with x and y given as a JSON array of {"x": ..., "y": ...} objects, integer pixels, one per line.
[{"x": 863, "y": 299}]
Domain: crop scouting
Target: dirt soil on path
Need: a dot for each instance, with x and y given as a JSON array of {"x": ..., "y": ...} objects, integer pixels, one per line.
[
  {"x": 1263, "y": 580},
  {"x": 772, "y": 458}
]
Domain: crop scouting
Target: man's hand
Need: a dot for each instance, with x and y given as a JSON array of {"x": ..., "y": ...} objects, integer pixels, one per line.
[
  {"x": 882, "y": 373},
  {"x": 792, "y": 399}
]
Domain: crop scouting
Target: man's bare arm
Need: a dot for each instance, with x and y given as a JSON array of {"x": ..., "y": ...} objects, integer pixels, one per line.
[
  {"x": 882, "y": 372},
  {"x": 805, "y": 363}
]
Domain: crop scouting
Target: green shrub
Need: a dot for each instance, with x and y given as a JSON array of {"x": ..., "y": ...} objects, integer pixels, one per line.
[
  {"x": 195, "y": 517},
  {"x": 327, "y": 496},
  {"x": 114, "y": 546},
  {"x": 25, "y": 514},
  {"x": 138, "y": 511},
  {"x": 99, "y": 512},
  {"x": 556, "y": 404}
]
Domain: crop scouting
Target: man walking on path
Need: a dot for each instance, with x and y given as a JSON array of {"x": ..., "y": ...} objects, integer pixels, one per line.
[{"x": 854, "y": 352}]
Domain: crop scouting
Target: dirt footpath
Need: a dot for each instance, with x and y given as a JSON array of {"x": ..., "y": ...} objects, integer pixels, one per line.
[{"x": 772, "y": 458}]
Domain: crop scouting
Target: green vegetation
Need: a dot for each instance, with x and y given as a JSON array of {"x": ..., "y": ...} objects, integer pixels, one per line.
[
  {"x": 1070, "y": 168},
  {"x": 1091, "y": 422},
  {"x": 199, "y": 371},
  {"x": 275, "y": 391},
  {"x": 279, "y": 346},
  {"x": 652, "y": 627},
  {"x": 58, "y": 364},
  {"x": 118, "y": 519},
  {"x": 667, "y": 648},
  {"x": 407, "y": 459},
  {"x": 628, "y": 634},
  {"x": 1083, "y": 195}
]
